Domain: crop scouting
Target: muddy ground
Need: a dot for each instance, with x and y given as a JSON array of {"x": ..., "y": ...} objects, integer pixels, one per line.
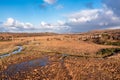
[{"x": 63, "y": 67}]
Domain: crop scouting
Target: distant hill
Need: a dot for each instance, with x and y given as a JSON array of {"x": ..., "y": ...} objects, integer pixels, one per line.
[{"x": 28, "y": 34}]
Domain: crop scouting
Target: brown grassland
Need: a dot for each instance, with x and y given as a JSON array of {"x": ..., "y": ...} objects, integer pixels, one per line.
[{"x": 64, "y": 58}]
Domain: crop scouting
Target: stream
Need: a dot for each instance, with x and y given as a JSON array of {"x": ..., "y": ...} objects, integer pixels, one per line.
[{"x": 14, "y": 52}]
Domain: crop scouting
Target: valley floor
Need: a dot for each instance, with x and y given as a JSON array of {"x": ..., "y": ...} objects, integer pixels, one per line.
[{"x": 57, "y": 58}]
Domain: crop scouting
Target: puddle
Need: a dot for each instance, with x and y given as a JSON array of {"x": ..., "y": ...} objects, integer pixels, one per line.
[
  {"x": 14, "y": 52},
  {"x": 25, "y": 66}
]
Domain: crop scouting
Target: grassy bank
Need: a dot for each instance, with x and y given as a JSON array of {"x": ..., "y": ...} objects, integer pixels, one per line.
[{"x": 108, "y": 52}]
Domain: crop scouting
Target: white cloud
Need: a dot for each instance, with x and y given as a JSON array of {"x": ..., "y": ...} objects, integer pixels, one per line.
[
  {"x": 90, "y": 19},
  {"x": 114, "y": 5},
  {"x": 28, "y": 25},
  {"x": 60, "y": 26},
  {"x": 80, "y": 21},
  {"x": 13, "y": 25},
  {"x": 115, "y": 27},
  {"x": 9, "y": 22},
  {"x": 43, "y": 23},
  {"x": 50, "y": 1},
  {"x": 84, "y": 15}
]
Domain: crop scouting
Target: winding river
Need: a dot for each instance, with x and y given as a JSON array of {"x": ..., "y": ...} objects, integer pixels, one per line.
[{"x": 14, "y": 52}]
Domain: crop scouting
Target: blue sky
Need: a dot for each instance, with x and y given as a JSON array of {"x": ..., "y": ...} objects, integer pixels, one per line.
[
  {"x": 56, "y": 15},
  {"x": 30, "y": 10}
]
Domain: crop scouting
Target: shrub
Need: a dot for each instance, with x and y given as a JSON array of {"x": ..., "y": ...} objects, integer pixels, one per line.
[
  {"x": 108, "y": 52},
  {"x": 113, "y": 43}
]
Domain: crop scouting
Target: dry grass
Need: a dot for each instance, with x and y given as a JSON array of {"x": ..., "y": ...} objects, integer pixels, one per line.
[
  {"x": 72, "y": 68},
  {"x": 67, "y": 46},
  {"x": 33, "y": 46},
  {"x": 6, "y": 47}
]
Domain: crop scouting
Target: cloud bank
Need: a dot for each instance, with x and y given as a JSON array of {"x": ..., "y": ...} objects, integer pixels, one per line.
[
  {"x": 114, "y": 5},
  {"x": 12, "y": 25},
  {"x": 91, "y": 19}
]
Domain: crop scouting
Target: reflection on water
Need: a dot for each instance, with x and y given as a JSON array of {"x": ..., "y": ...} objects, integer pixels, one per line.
[
  {"x": 25, "y": 66},
  {"x": 39, "y": 62},
  {"x": 14, "y": 52},
  {"x": 18, "y": 50}
]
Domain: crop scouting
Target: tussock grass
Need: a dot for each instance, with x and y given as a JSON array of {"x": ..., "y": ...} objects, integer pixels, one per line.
[{"x": 108, "y": 52}]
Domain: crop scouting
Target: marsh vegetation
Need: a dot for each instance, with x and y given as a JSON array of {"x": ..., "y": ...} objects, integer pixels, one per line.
[{"x": 59, "y": 57}]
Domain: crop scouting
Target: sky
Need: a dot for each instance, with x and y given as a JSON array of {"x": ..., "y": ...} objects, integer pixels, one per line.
[{"x": 60, "y": 16}]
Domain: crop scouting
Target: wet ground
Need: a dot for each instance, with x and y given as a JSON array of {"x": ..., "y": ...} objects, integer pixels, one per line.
[
  {"x": 19, "y": 49},
  {"x": 63, "y": 67},
  {"x": 27, "y": 66}
]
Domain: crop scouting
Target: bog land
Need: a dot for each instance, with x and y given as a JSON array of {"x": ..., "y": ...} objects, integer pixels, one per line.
[{"x": 93, "y": 55}]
